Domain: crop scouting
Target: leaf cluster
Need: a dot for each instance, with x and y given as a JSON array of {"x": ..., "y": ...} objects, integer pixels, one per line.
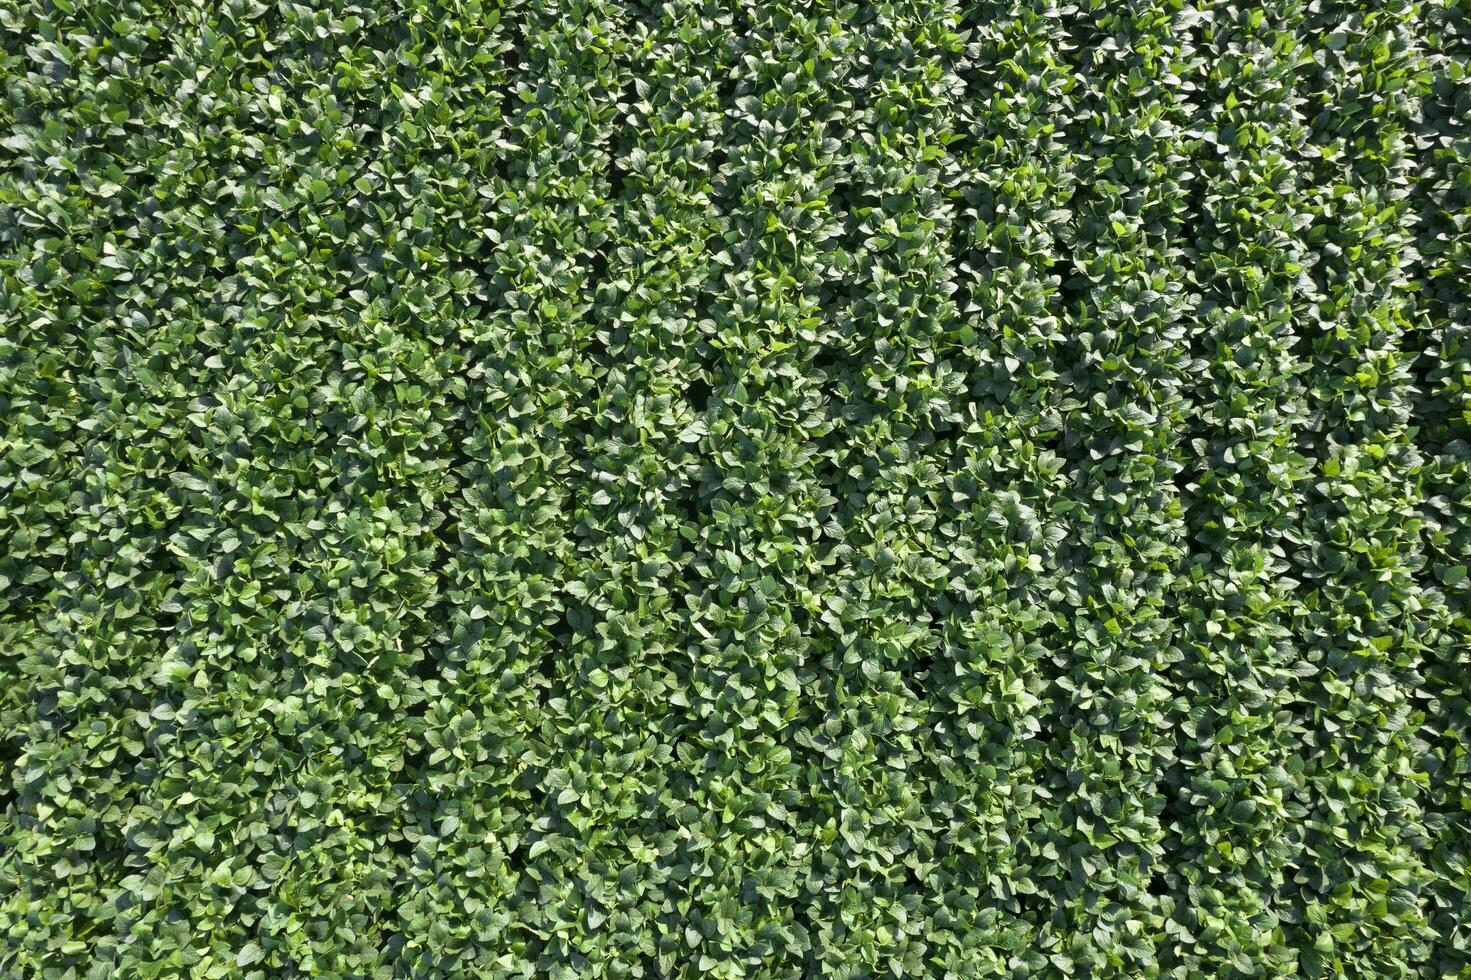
[{"x": 605, "y": 488}]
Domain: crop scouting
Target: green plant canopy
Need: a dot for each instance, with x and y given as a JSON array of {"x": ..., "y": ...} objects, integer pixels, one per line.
[{"x": 711, "y": 489}]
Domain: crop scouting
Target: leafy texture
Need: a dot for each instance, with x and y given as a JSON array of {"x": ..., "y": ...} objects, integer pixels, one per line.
[{"x": 708, "y": 489}]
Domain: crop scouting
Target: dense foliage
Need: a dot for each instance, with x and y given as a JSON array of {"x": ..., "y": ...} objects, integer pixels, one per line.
[{"x": 704, "y": 489}]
